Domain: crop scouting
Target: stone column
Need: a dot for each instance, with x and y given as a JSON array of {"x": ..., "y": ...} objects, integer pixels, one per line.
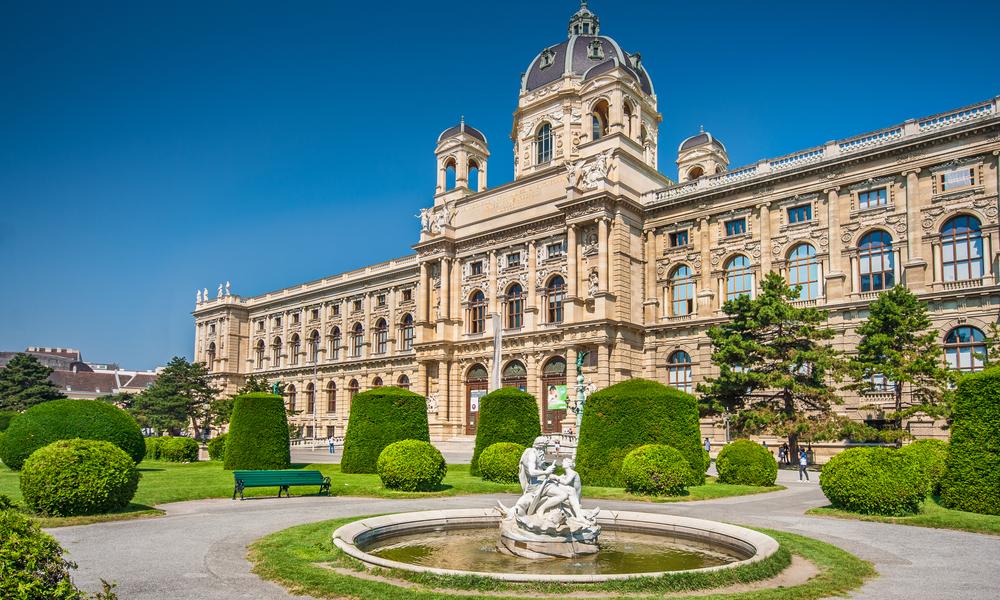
[
  {"x": 602, "y": 254},
  {"x": 444, "y": 399},
  {"x": 494, "y": 292},
  {"x": 572, "y": 285},
  {"x": 915, "y": 267},
  {"x": 424, "y": 297},
  {"x": 651, "y": 293},
  {"x": 764, "y": 217},
  {"x": 445, "y": 289},
  {"x": 531, "y": 308},
  {"x": 836, "y": 277},
  {"x": 462, "y": 169},
  {"x": 705, "y": 290},
  {"x": 482, "y": 176}
]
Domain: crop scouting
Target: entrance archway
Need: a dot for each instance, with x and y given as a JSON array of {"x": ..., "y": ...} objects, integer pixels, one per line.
[
  {"x": 554, "y": 394},
  {"x": 476, "y": 386}
]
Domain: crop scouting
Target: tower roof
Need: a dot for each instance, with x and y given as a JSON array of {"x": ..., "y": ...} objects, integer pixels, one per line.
[
  {"x": 459, "y": 129},
  {"x": 702, "y": 138}
]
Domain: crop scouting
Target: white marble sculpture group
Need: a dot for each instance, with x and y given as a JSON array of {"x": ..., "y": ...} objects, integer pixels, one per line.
[{"x": 547, "y": 521}]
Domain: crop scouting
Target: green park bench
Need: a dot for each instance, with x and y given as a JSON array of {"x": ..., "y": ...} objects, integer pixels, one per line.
[{"x": 282, "y": 479}]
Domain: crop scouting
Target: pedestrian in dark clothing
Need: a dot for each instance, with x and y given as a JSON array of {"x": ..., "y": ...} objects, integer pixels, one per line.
[{"x": 803, "y": 463}]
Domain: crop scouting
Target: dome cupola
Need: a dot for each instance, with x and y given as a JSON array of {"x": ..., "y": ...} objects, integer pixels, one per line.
[
  {"x": 700, "y": 155},
  {"x": 584, "y": 22}
]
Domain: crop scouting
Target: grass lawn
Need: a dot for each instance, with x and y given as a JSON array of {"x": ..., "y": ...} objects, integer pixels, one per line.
[
  {"x": 932, "y": 515},
  {"x": 163, "y": 482},
  {"x": 296, "y": 558}
]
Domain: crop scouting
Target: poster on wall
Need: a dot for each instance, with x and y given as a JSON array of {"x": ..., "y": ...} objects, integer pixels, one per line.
[
  {"x": 556, "y": 397},
  {"x": 474, "y": 396}
]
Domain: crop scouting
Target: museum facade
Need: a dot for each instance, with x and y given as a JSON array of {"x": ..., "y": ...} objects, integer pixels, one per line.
[{"x": 591, "y": 249}]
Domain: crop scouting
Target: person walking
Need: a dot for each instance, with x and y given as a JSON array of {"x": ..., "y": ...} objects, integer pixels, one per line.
[
  {"x": 330, "y": 444},
  {"x": 708, "y": 445},
  {"x": 803, "y": 463},
  {"x": 782, "y": 454}
]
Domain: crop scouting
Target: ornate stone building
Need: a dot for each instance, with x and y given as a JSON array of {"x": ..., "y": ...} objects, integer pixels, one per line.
[{"x": 590, "y": 248}]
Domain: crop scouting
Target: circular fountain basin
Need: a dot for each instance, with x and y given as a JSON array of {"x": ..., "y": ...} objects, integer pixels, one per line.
[{"x": 633, "y": 544}]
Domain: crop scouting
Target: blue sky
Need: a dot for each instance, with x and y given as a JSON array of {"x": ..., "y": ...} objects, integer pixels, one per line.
[{"x": 150, "y": 149}]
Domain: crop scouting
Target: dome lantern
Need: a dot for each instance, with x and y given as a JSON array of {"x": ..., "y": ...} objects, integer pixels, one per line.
[{"x": 584, "y": 22}]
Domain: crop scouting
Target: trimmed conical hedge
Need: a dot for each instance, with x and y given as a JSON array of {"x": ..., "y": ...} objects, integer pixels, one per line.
[
  {"x": 634, "y": 413},
  {"x": 379, "y": 417},
  {"x": 971, "y": 479},
  {"x": 505, "y": 415},
  {"x": 258, "y": 433}
]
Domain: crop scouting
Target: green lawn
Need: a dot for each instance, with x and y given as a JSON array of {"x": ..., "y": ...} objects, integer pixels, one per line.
[
  {"x": 173, "y": 482},
  {"x": 932, "y": 515},
  {"x": 298, "y": 558}
]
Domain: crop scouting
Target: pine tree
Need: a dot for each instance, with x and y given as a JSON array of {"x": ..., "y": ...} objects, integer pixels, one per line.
[
  {"x": 181, "y": 395},
  {"x": 774, "y": 364},
  {"x": 24, "y": 382},
  {"x": 222, "y": 406},
  {"x": 898, "y": 343}
]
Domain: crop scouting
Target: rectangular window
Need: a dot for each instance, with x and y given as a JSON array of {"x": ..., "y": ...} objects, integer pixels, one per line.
[
  {"x": 277, "y": 321},
  {"x": 211, "y": 328},
  {"x": 357, "y": 306},
  {"x": 260, "y": 325},
  {"x": 380, "y": 299},
  {"x": 336, "y": 310},
  {"x": 554, "y": 250},
  {"x": 679, "y": 238},
  {"x": 957, "y": 179},
  {"x": 295, "y": 319},
  {"x": 873, "y": 198},
  {"x": 514, "y": 259},
  {"x": 736, "y": 227},
  {"x": 407, "y": 295},
  {"x": 800, "y": 214},
  {"x": 476, "y": 268},
  {"x": 314, "y": 314}
]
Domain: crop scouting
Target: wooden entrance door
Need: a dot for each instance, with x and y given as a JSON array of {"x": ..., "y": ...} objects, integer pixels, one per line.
[
  {"x": 553, "y": 395},
  {"x": 476, "y": 386}
]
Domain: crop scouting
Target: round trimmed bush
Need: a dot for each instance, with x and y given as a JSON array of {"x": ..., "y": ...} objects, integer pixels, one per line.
[
  {"x": 31, "y": 562},
  {"x": 55, "y": 420},
  {"x": 153, "y": 447},
  {"x": 78, "y": 477},
  {"x": 745, "y": 462},
  {"x": 630, "y": 414},
  {"x": 499, "y": 463},
  {"x": 656, "y": 470},
  {"x": 411, "y": 466},
  {"x": 258, "y": 433},
  {"x": 971, "y": 480},
  {"x": 179, "y": 449},
  {"x": 505, "y": 415},
  {"x": 379, "y": 417},
  {"x": 930, "y": 457},
  {"x": 217, "y": 447},
  {"x": 873, "y": 481}
]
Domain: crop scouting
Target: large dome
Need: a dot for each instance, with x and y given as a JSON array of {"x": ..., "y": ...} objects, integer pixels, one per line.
[{"x": 585, "y": 54}]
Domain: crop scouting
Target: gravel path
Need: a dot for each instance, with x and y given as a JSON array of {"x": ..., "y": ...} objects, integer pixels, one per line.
[{"x": 198, "y": 550}]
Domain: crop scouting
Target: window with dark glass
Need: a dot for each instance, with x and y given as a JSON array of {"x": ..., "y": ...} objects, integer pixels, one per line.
[
  {"x": 876, "y": 262},
  {"x": 965, "y": 349},
  {"x": 800, "y": 214},
  {"x": 736, "y": 227},
  {"x": 357, "y": 340},
  {"x": 406, "y": 332},
  {"x": 554, "y": 250},
  {"x": 543, "y": 144},
  {"x": 380, "y": 300},
  {"x": 260, "y": 354},
  {"x": 873, "y": 198},
  {"x": 336, "y": 310},
  {"x": 357, "y": 305},
  {"x": 679, "y": 371},
  {"x": 381, "y": 336},
  {"x": 314, "y": 347},
  {"x": 403, "y": 382},
  {"x": 314, "y": 314},
  {"x": 310, "y": 399},
  {"x": 293, "y": 351},
  {"x": 290, "y": 397},
  {"x": 335, "y": 343},
  {"x": 555, "y": 294},
  {"x": 477, "y": 312},
  {"x": 331, "y": 397},
  {"x": 476, "y": 267},
  {"x": 276, "y": 352},
  {"x": 514, "y": 259},
  {"x": 407, "y": 295},
  {"x": 679, "y": 238},
  {"x": 514, "y": 312},
  {"x": 352, "y": 389}
]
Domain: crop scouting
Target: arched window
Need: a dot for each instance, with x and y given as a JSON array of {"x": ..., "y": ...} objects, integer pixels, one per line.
[
  {"x": 310, "y": 399},
  {"x": 294, "y": 347},
  {"x": 477, "y": 312},
  {"x": 331, "y": 397},
  {"x": 473, "y": 175},
  {"x": 381, "y": 336},
  {"x": 681, "y": 291},
  {"x": 210, "y": 362},
  {"x": 449, "y": 174},
  {"x": 377, "y": 382},
  {"x": 679, "y": 371},
  {"x": 290, "y": 397},
  {"x": 965, "y": 348},
  {"x": 514, "y": 303},
  {"x": 276, "y": 352},
  {"x": 555, "y": 294},
  {"x": 260, "y": 354},
  {"x": 403, "y": 382},
  {"x": 357, "y": 340},
  {"x": 352, "y": 389},
  {"x": 543, "y": 144},
  {"x": 803, "y": 270},
  {"x": 314, "y": 347},
  {"x": 599, "y": 120},
  {"x": 336, "y": 341},
  {"x": 876, "y": 262},
  {"x": 627, "y": 117},
  {"x": 739, "y": 277},
  {"x": 514, "y": 375},
  {"x": 962, "y": 249},
  {"x": 406, "y": 332},
  {"x": 695, "y": 172}
]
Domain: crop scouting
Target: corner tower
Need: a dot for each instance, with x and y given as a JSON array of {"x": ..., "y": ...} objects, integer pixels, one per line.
[
  {"x": 580, "y": 93},
  {"x": 461, "y": 154}
]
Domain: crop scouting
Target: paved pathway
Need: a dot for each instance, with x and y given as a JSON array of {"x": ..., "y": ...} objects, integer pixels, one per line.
[{"x": 198, "y": 550}]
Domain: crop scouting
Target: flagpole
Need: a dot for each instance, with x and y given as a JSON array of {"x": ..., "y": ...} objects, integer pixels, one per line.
[{"x": 497, "y": 352}]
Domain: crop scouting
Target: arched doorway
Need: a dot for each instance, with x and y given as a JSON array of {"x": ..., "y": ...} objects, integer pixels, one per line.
[
  {"x": 515, "y": 375},
  {"x": 476, "y": 385},
  {"x": 554, "y": 393}
]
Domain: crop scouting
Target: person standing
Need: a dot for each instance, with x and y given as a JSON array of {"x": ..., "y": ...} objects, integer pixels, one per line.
[
  {"x": 330, "y": 444},
  {"x": 557, "y": 446},
  {"x": 782, "y": 454},
  {"x": 708, "y": 445},
  {"x": 803, "y": 463}
]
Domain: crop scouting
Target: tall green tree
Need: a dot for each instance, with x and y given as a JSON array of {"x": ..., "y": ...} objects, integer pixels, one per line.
[
  {"x": 898, "y": 343},
  {"x": 181, "y": 395},
  {"x": 24, "y": 382},
  {"x": 775, "y": 363}
]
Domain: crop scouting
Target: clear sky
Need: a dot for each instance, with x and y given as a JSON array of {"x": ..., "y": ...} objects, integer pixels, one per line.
[{"x": 151, "y": 149}]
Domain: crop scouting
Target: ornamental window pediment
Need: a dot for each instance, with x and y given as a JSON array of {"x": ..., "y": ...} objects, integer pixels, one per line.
[
  {"x": 798, "y": 212},
  {"x": 957, "y": 178}
]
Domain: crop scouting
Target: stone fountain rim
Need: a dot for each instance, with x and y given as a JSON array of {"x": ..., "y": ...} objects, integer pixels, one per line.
[{"x": 344, "y": 537}]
